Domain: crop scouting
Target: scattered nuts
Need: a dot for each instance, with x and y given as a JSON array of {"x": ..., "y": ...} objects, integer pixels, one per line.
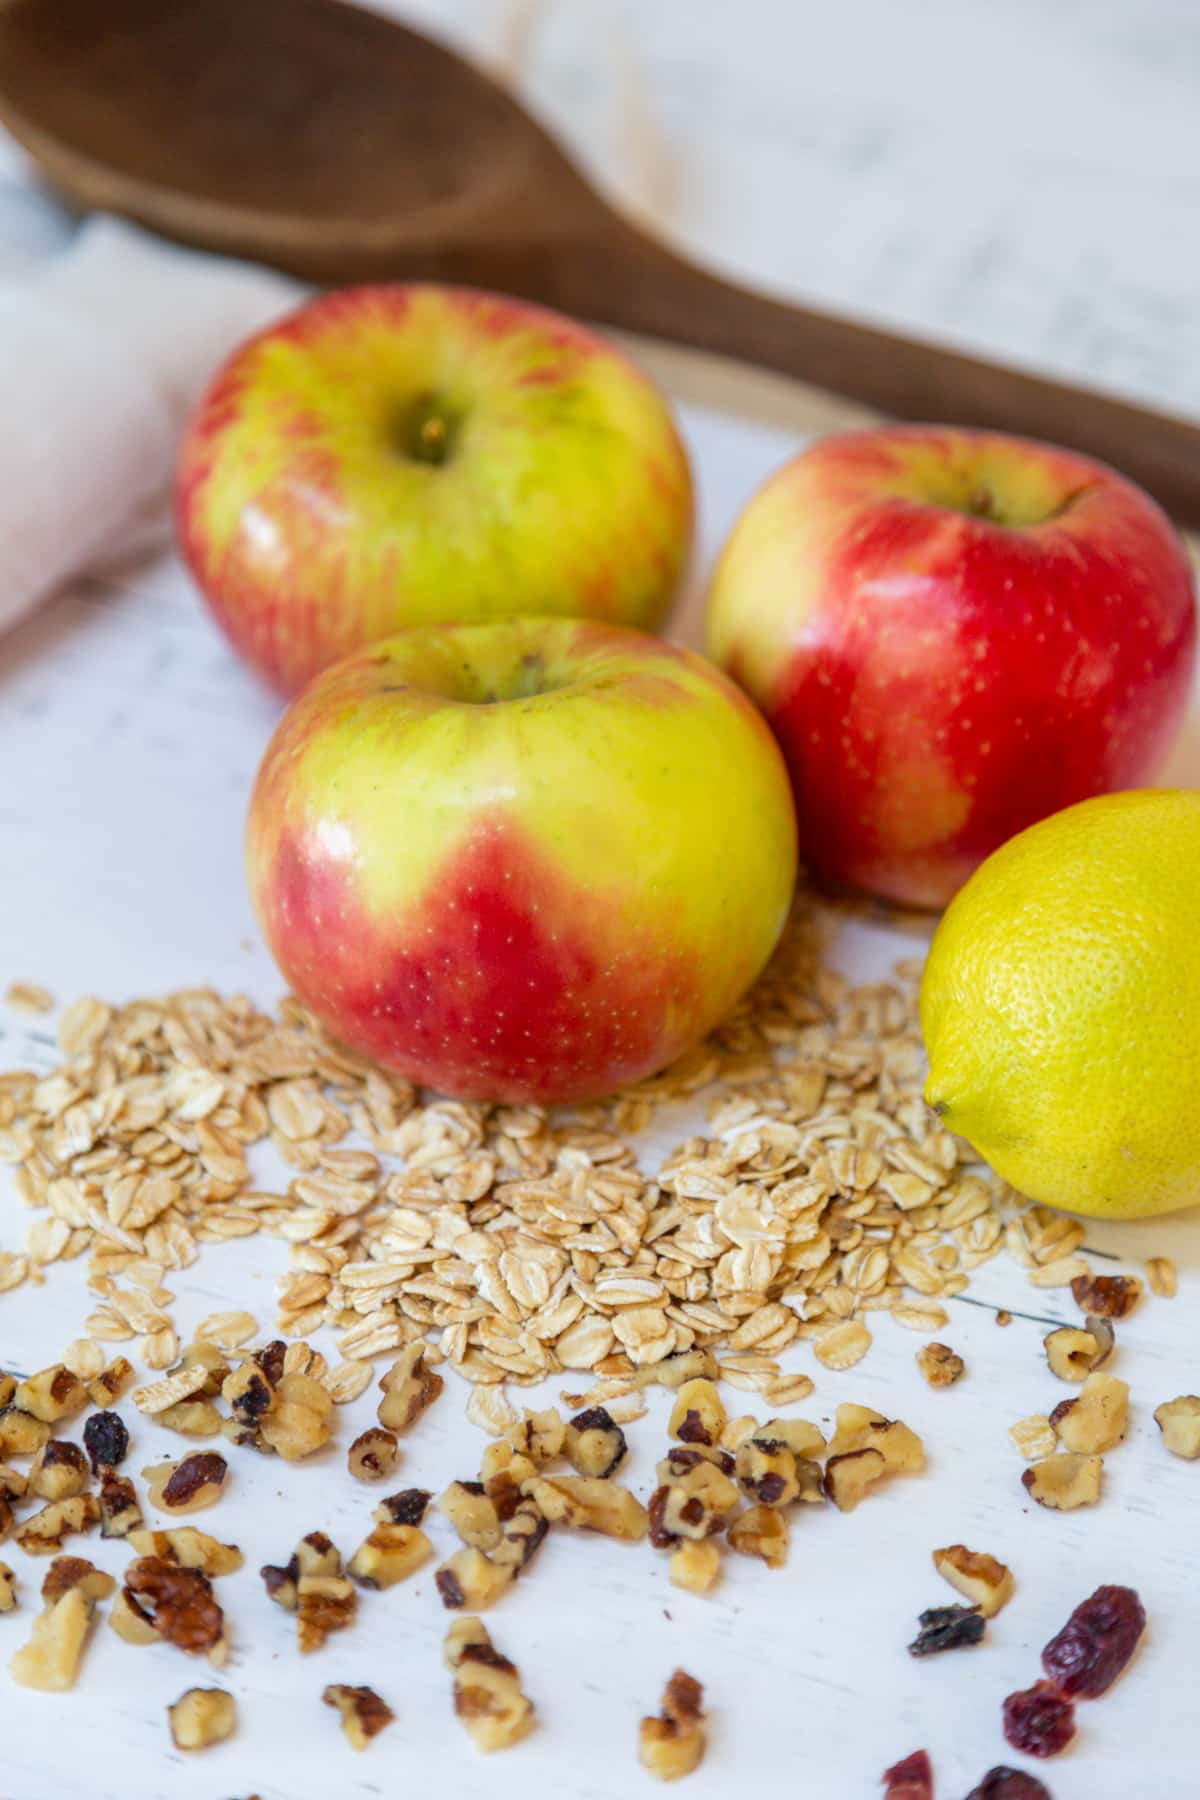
[
  {"x": 940, "y": 1365},
  {"x": 106, "y": 1440},
  {"x": 1097, "y": 1420},
  {"x": 588, "y": 1505},
  {"x": 373, "y": 1455},
  {"x": 695, "y": 1565},
  {"x": 1106, "y": 1296},
  {"x": 1064, "y": 1482},
  {"x": 698, "y": 1415},
  {"x": 190, "y": 1548},
  {"x": 487, "y": 1690},
  {"x": 408, "y": 1388},
  {"x": 59, "y": 1471},
  {"x": 130, "y": 1623},
  {"x": 1179, "y": 1422},
  {"x": 119, "y": 1510},
  {"x": 192, "y": 1485},
  {"x": 673, "y": 1744},
  {"x": 594, "y": 1443},
  {"x": 947, "y": 1628},
  {"x": 390, "y": 1554},
  {"x": 202, "y": 1717},
  {"x": 987, "y": 1583},
  {"x": 761, "y": 1531},
  {"x": 1073, "y": 1353},
  {"x": 859, "y": 1428},
  {"x": 51, "y": 1395},
  {"x": 44, "y": 1532},
  {"x": 364, "y": 1714},
  {"x": 178, "y": 1603}
]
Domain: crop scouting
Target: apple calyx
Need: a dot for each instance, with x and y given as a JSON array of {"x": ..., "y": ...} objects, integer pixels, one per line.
[{"x": 429, "y": 431}]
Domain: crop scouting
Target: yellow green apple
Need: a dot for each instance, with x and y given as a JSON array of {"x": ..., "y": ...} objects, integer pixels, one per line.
[
  {"x": 402, "y": 455},
  {"x": 527, "y": 860}
]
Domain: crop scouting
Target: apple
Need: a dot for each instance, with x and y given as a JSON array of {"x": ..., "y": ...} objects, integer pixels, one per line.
[
  {"x": 524, "y": 860},
  {"x": 952, "y": 633},
  {"x": 404, "y": 455}
]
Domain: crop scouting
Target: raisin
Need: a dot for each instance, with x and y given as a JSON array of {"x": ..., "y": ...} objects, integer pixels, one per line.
[
  {"x": 1003, "y": 1783},
  {"x": 947, "y": 1628},
  {"x": 1096, "y": 1643},
  {"x": 911, "y": 1779},
  {"x": 1039, "y": 1720},
  {"x": 106, "y": 1440}
]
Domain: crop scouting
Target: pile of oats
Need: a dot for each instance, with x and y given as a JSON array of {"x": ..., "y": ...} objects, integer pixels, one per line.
[{"x": 520, "y": 1241}]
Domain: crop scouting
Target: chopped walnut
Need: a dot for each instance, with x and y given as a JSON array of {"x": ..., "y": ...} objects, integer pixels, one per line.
[
  {"x": 13, "y": 1486},
  {"x": 520, "y": 1537},
  {"x": 67, "y": 1572},
  {"x": 988, "y": 1584},
  {"x": 119, "y": 1510},
  {"x": 59, "y": 1472},
  {"x": 300, "y": 1421},
  {"x": 373, "y": 1454},
  {"x": 190, "y": 1548},
  {"x": 588, "y": 1505},
  {"x": 8, "y": 1387},
  {"x": 131, "y": 1623},
  {"x": 594, "y": 1443},
  {"x": 1064, "y": 1482},
  {"x": 191, "y": 1485},
  {"x": 673, "y": 1744},
  {"x": 111, "y": 1382},
  {"x": 766, "y": 1472},
  {"x": 696, "y": 1499},
  {"x": 1097, "y": 1420},
  {"x": 471, "y": 1511},
  {"x": 179, "y": 1603},
  {"x": 20, "y": 1433},
  {"x": 390, "y": 1554},
  {"x": 487, "y": 1690},
  {"x": 940, "y": 1365},
  {"x": 1106, "y": 1296},
  {"x": 364, "y": 1714},
  {"x": 191, "y": 1418},
  {"x": 251, "y": 1398},
  {"x": 859, "y": 1428},
  {"x": 468, "y": 1580},
  {"x": 673, "y": 1371},
  {"x": 8, "y": 1589},
  {"x": 800, "y": 1436},
  {"x": 44, "y": 1532},
  {"x": 695, "y": 1565},
  {"x": 1179, "y": 1422},
  {"x": 1034, "y": 1437},
  {"x": 540, "y": 1436},
  {"x": 408, "y": 1507},
  {"x": 202, "y": 1355},
  {"x": 52, "y": 1394},
  {"x": 459, "y": 1634},
  {"x": 698, "y": 1415},
  {"x": 1073, "y": 1352},
  {"x": 202, "y": 1717},
  {"x": 761, "y": 1531},
  {"x": 324, "y": 1604},
  {"x": 735, "y": 1432},
  {"x": 50, "y": 1660},
  {"x": 409, "y": 1387},
  {"x": 848, "y": 1476}
]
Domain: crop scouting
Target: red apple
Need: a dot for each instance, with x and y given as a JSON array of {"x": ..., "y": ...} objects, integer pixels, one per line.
[
  {"x": 953, "y": 633},
  {"x": 530, "y": 860},
  {"x": 404, "y": 455}
]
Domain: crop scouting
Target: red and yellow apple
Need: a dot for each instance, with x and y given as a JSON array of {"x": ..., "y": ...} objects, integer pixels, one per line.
[
  {"x": 524, "y": 860},
  {"x": 952, "y": 633},
  {"x": 404, "y": 455}
]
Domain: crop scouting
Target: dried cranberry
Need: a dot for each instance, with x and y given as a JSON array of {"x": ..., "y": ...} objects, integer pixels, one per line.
[
  {"x": 911, "y": 1779},
  {"x": 1096, "y": 1643},
  {"x": 1039, "y": 1720},
  {"x": 106, "y": 1439},
  {"x": 1002, "y": 1783},
  {"x": 947, "y": 1628}
]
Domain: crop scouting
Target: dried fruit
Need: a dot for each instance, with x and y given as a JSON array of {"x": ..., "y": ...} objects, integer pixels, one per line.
[
  {"x": 911, "y": 1779},
  {"x": 987, "y": 1583},
  {"x": 1003, "y": 1783},
  {"x": 178, "y": 1602},
  {"x": 1106, "y": 1296},
  {"x": 373, "y": 1454},
  {"x": 364, "y": 1714},
  {"x": 594, "y": 1443},
  {"x": 106, "y": 1440},
  {"x": 947, "y": 1628},
  {"x": 487, "y": 1689},
  {"x": 1096, "y": 1643},
  {"x": 390, "y": 1554},
  {"x": 1097, "y": 1420},
  {"x": 1179, "y": 1422},
  {"x": 1064, "y": 1482},
  {"x": 191, "y": 1485},
  {"x": 673, "y": 1744},
  {"x": 940, "y": 1365},
  {"x": 202, "y": 1717},
  {"x": 1038, "y": 1720},
  {"x": 408, "y": 1507}
]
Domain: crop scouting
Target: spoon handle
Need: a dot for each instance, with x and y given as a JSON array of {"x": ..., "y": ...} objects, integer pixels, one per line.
[{"x": 636, "y": 283}]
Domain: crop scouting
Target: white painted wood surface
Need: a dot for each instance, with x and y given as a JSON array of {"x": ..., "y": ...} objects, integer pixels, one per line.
[{"x": 128, "y": 737}]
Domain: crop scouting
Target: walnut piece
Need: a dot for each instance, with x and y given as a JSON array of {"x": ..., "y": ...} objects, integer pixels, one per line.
[
  {"x": 520, "y": 1537},
  {"x": 131, "y": 1623},
  {"x": 409, "y": 1387},
  {"x": 541, "y": 1436},
  {"x": 390, "y": 1554},
  {"x": 408, "y": 1507},
  {"x": 1179, "y": 1422},
  {"x": 1106, "y": 1296},
  {"x": 860, "y": 1428},
  {"x": 190, "y": 1485},
  {"x": 364, "y": 1714},
  {"x": 8, "y": 1589},
  {"x": 673, "y": 1744},
  {"x": 469, "y": 1581},
  {"x": 766, "y": 1472},
  {"x": 1034, "y": 1437},
  {"x": 50, "y": 1661},
  {"x": 299, "y": 1423},
  {"x": 202, "y": 1717},
  {"x": 695, "y": 1565},
  {"x": 980, "y": 1578},
  {"x": 179, "y": 1603},
  {"x": 190, "y": 1548},
  {"x": 67, "y": 1572},
  {"x": 471, "y": 1511},
  {"x": 191, "y": 1418},
  {"x": 1073, "y": 1352},
  {"x": 20, "y": 1433},
  {"x": 52, "y": 1394},
  {"x": 373, "y": 1455},
  {"x": 111, "y": 1382},
  {"x": 588, "y": 1505},
  {"x": 940, "y": 1365},
  {"x": 696, "y": 1498},
  {"x": 1064, "y": 1482},
  {"x": 324, "y": 1604},
  {"x": 698, "y": 1415},
  {"x": 44, "y": 1532},
  {"x": 761, "y": 1531},
  {"x": 13, "y": 1486},
  {"x": 673, "y": 1371},
  {"x": 119, "y": 1510},
  {"x": 594, "y": 1443},
  {"x": 59, "y": 1472},
  {"x": 848, "y": 1476},
  {"x": 487, "y": 1689},
  {"x": 1097, "y": 1420}
]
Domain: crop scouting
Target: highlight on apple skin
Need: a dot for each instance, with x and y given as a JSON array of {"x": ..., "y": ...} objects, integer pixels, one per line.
[
  {"x": 523, "y": 861},
  {"x": 953, "y": 633},
  {"x": 399, "y": 455}
]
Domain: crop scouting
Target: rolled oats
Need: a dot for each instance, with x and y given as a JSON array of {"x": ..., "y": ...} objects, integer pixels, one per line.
[{"x": 1163, "y": 1276}]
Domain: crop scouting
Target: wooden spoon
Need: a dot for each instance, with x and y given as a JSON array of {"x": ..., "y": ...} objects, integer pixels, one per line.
[{"x": 343, "y": 147}]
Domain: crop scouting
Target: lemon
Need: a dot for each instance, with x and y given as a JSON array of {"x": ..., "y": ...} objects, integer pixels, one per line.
[{"x": 1061, "y": 1007}]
